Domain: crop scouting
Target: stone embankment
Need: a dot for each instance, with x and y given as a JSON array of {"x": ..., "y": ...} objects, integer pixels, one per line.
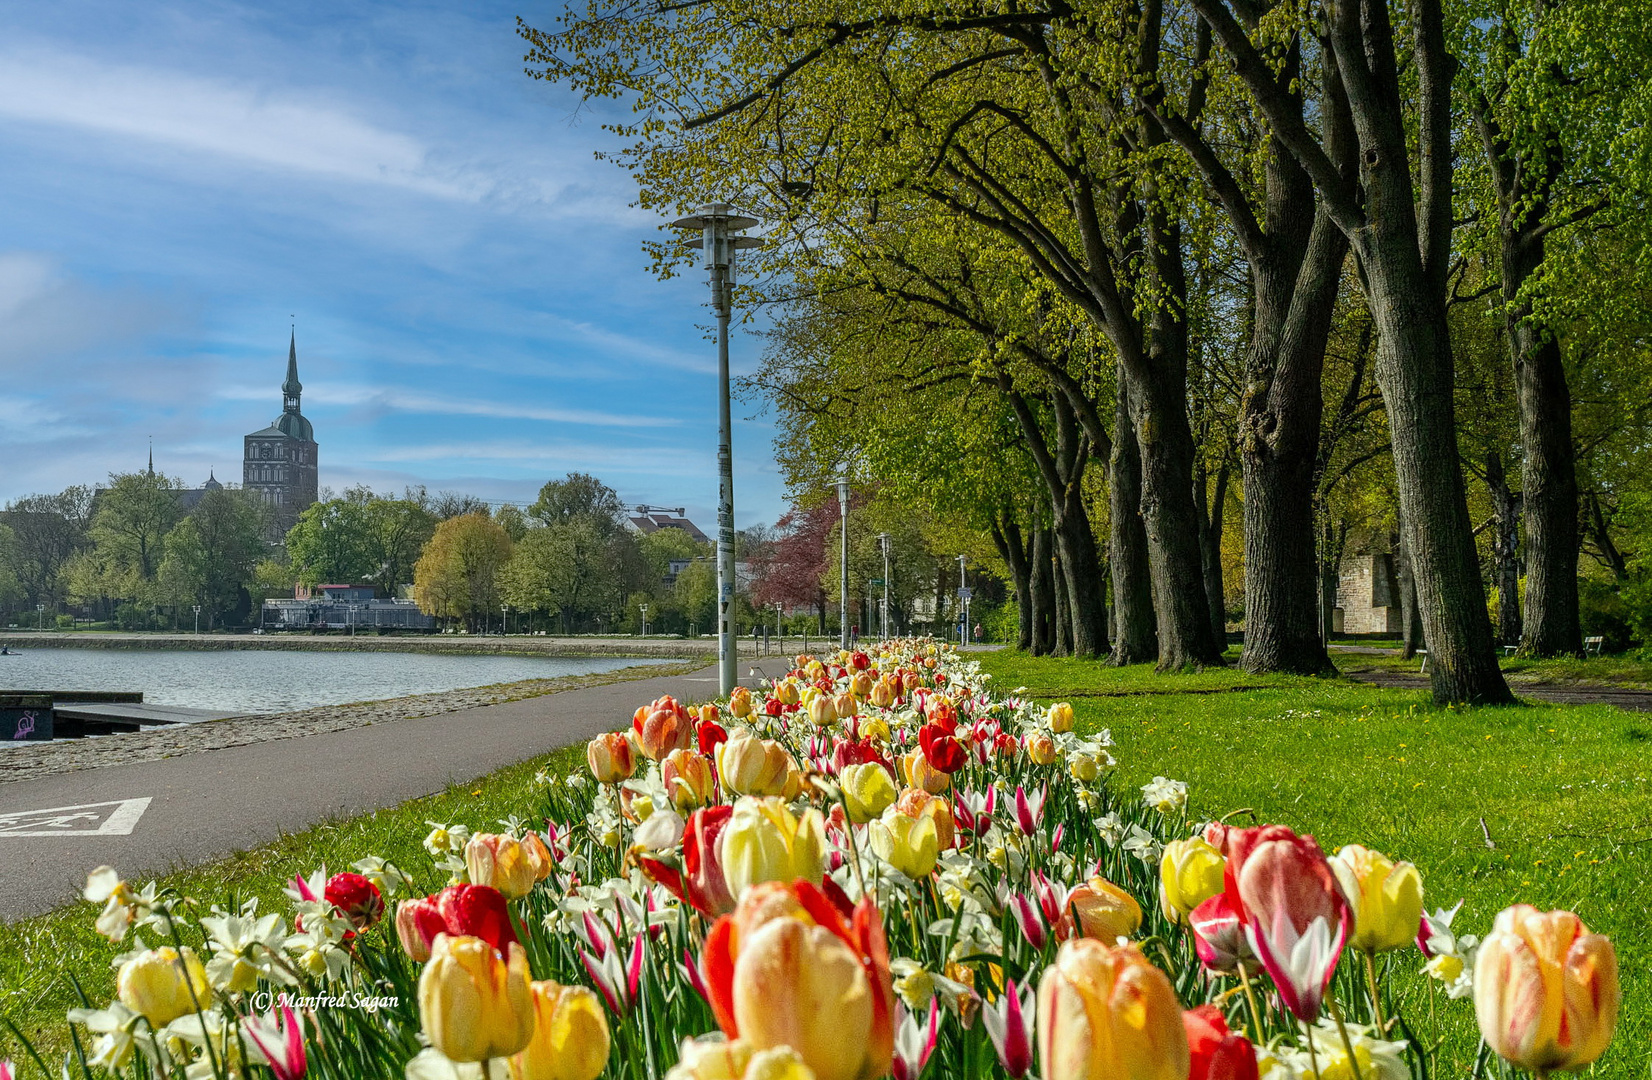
[
  {"x": 450, "y": 644},
  {"x": 42, "y": 759}
]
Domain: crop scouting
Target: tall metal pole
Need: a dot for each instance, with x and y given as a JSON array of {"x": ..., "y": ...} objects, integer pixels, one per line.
[
  {"x": 843, "y": 576},
  {"x": 717, "y": 224},
  {"x": 963, "y": 600},
  {"x": 885, "y": 538}
]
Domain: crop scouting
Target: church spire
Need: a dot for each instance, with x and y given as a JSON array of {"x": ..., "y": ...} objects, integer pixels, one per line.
[
  {"x": 292, "y": 388},
  {"x": 151, "y": 455}
]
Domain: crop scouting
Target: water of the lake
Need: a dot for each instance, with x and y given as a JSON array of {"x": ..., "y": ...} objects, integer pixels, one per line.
[{"x": 267, "y": 681}]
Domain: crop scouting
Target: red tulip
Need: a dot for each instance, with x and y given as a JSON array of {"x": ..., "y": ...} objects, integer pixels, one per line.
[
  {"x": 1217, "y": 1053},
  {"x": 860, "y": 661},
  {"x": 1295, "y": 914},
  {"x": 700, "y": 882},
  {"x": 458, "y": 910},
  {"x": 357, "y": 898},
  {"x": 710, "y": 734},
  {"x": 942, "y": 751}
]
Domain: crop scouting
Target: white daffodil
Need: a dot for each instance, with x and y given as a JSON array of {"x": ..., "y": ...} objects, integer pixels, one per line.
[
  {"x": 1164, "y": 795},
  {"x": 1110, "y": 829},
  {"x": 387, "y": 877},
  {"x": 1143, "y": 845},
  {"x": 245, "y": 949},
  {"x": 120, "y": 1031}
]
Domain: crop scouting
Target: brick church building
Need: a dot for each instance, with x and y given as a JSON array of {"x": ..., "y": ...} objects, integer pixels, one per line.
[{"x": 280, "y": 460}]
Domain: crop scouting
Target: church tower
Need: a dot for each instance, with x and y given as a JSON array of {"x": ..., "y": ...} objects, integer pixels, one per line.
[{"x": 280, "y": 461}]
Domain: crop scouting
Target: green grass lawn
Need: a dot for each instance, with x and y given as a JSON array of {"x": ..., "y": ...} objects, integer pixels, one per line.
[
  {"x": 1564, "y": 792},
  {"x": 38, "y": 955}
]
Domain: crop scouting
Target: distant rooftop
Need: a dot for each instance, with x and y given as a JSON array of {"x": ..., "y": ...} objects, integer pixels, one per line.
[{"x": 647, "y": 523}]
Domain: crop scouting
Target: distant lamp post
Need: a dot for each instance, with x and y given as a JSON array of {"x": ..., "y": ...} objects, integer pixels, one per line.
[
  {"x": 843, "y": 568},
  {"x": 504, "y": 619},
  {"x": 644, "y": 609},
  {"x": 719, "y": 225},
  {"x": 883, "y": 541},
  {"x": 963, "y": 595},
  {"x": 197, "y": 618},
  {"x": 41, "y": 608}
]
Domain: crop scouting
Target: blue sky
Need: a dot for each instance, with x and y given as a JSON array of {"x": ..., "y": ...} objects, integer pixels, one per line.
[{"x": 474, "y": 311}]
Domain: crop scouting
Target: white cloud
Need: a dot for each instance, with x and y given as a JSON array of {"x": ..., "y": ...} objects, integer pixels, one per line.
[
  {"x": 318, "y": 394},
  {"x": 235, "y": 120}
]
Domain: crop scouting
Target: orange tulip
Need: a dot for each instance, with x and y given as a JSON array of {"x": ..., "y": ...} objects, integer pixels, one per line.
[
  {"x": 884, "y": 693},
  {"x": 1105, "y": 1013},
  {"x": 610, "y": 758},
  {"x": 1105, "y": 912},
  {"x": 790, "y": 969},
  {"x": 1041, "y": 749},
  {"x": 861, "y": 684},
  {"x": 661, "y": 727},
  {"x": 739, "y": 702},
  {"x": 1546, "y": 990},
  {"x": 916, "y": 803}
]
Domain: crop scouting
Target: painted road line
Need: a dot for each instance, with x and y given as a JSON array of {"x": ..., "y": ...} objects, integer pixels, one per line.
[{"x": 116, "y": 817}]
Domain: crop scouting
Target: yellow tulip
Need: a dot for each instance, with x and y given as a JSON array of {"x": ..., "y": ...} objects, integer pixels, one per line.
[
  {"x": 1061, "y": 717},
  {"x": 1387, "y": 898},
  {"x": 919, "y": 773},
  {"x": 1546, "y": 990},
  {"x": 868, "y": 790},
  {"x": 883, "y": 693},
  {"x": 822, "y": 710},
  {"x": 1189, "y": 874},
  {"x": 715, "y": 1058},
  {"x": 1106, "y": 1013},
  {"x": 475, "y": 1004},
  {"x": 163, "y": 985},
  {"x": 797, "y": 985},
  {"x": 503, "y": 862},
  {"x": 752, "y": 766},
  {"x": 1105, "y": 912},
  {"x": 765, "y": 841},
  {"x": 875, "y": 728},
  {"x": 1041, "y": 749},
  {"x": 687, "y": 775},
  {"x": 570, "y": 1036},
  {"x": 739, "y": 702},
  {"x": 909, "y": 844},
  {"x": 788, "y": 693},
  {"x": 1083, "y": 767}
]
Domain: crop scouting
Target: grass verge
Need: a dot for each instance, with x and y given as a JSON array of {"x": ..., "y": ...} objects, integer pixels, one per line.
[{"x": 1562, "y": 793}]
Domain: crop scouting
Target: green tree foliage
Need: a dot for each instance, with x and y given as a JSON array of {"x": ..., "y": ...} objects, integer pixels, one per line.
[
  {"x": 456, "y": 577},
  {"x": 130, "y": 520},
  {"x": 48, "y": 530},
  {"x": 540, "y": 574},
  {"x": 211, "y": 555},
  {"x": 329, "y": 544}
]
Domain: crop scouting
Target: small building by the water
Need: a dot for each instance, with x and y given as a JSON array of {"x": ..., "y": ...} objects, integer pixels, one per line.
[{"x": 342, "y": 607}]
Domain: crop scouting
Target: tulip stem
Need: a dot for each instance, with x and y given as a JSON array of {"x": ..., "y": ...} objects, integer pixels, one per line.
[
  {"x": 1342, "y": 1029},
  {"x": 1313, "y": 1055},
  {"x": 1255, "y": 1013},
  {"x": 1376, "y": 996}
]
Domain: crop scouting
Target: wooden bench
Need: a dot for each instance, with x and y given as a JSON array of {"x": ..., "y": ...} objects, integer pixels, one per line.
[{"x": 1593, "y": 645}]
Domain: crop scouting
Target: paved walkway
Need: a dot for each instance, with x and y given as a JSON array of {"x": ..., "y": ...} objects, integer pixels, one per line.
[
  {"x": 1630, "y": 698},
  {"x": 150, "y": 817}
]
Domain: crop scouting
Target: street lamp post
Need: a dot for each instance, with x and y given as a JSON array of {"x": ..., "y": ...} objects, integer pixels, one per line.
[
  {"x": 504, "y": 619},
  {"x": 718, "y": 225},
  {"x": 843, "y": 568},
  {"x": 963, "y": 597},
  {"x": 41, "y": 608},
  {"x": 883, "y": 540},
  {"x": 197, "y": 618},
  {"x": 644, "y": 609}
]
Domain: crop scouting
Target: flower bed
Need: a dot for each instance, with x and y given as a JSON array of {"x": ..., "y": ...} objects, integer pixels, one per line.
[{"x": 874, "y": 866}]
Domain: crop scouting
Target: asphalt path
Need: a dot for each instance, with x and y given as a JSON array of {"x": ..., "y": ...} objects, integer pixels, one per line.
[{"x": 211, "y": 804}]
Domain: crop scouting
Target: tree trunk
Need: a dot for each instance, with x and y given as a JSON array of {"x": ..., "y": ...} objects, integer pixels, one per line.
[
  {"x": 1012, "y": 549},
  {"x": 1043, "y": 594},
  {"x": 1411, "y": 624},
  {"x": 1135, "y": 634},
  {"x": 1159, "y": 409},
  {"x": 1063, "y": 610},
  {"x": 1211, "y": 507},
  {"x": 1414, "y": 370},
  {"x": 1549, "y": 466},
  {"x": 1286, "y": 621},
  {"x": 1505, "y": 549}
]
